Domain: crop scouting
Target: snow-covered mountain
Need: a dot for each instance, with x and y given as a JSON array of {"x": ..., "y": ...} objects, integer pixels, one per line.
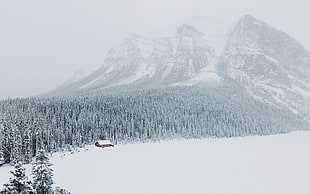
[
  {"x": 268, "y": 63},
  {"x": 77, "y": 75},
  {"x": 187, "y": 57}
]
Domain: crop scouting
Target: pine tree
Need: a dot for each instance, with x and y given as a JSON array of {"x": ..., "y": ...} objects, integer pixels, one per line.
[
  {"x": 2, "y": 160},
  {"x": 27, "y": 147},
  {"x": 59, "y": 190},
  {"x": 19, "y": 184},
  {"x": 16, "y": 154},
  {"x": 42, "y": 174}
]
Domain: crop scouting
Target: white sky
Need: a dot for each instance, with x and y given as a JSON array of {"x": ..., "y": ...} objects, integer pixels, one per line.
[{"x": 43, "y": 42}]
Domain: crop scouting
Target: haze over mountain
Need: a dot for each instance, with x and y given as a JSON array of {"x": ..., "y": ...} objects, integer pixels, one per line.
[
  {"x": 201, "y": 79},
  {"x": 268, "y": 63},
  {"x": 251, "y": 79},
  {"x": 77, "y": 75}
]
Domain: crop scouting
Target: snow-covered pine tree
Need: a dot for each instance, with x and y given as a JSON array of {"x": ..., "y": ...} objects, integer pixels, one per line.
[
  {"x": 42, "y": 174},
  {"x": 2, "y": 160},
  {"x": 16, "y": 154},
  {"x": 38, "y": 131},
  {"x": 59, "y": 190},
  {"x": 27, "y": 147},
  {"x": 5, "y": 136},
  {"x": 19, "y": 183}
]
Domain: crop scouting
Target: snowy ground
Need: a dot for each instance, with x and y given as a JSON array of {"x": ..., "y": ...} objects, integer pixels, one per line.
[{"x": 278, "y": 164}]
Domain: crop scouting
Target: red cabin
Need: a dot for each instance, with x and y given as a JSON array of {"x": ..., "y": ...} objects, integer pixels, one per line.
[{"x": 104, "y": 143}]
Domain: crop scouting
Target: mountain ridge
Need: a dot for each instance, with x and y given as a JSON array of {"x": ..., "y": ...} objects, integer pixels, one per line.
[{"x": 268, "y": 63}]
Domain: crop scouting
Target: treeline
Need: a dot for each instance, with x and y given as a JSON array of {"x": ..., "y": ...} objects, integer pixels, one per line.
[{"x": 54, "y": 124}]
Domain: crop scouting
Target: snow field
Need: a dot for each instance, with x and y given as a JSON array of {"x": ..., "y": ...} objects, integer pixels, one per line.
[{"x": 245, "y": 165}]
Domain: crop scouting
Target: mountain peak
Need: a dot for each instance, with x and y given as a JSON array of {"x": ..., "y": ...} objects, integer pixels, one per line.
[
  {"x": 187, "y": 30},
  {"x": 248, "y": 17},
  {"x": 203, "y": 51},
  {"x": 249, "y": 20}
]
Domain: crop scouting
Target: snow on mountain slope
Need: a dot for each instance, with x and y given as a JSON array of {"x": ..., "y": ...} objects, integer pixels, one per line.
[
  {"x": 78, "y": 75},
  {"x": 269, "y": 164},
  {"x": 185, "y": 58},
  {"x": 216, "y": 31},
  {"x": 269, "y": 63}
]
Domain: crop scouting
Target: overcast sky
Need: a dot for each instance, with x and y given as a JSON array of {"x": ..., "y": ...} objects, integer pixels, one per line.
[{"x": 43, "y": 42}]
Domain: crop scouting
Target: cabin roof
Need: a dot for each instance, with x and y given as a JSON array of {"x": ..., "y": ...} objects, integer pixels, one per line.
[{"x": 103, "y": 142}]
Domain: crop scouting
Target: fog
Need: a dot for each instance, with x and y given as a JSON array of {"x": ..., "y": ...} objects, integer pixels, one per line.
[{"x": 42, "y": 43}]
